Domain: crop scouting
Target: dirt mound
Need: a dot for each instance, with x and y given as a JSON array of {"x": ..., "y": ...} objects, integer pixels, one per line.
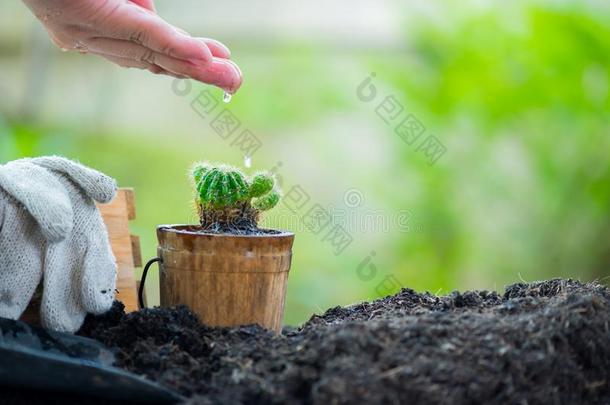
[{"x": 546, "y": 343}]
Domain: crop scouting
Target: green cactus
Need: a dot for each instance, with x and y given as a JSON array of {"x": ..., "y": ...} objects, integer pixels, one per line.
[
  {"x": 268, "y": 201},
  {"x": 227, "y": 200},
  {"x": 220, "y": 187},
  {"x": 261, "y": 184},
  {"x": 199, "y": 170}
]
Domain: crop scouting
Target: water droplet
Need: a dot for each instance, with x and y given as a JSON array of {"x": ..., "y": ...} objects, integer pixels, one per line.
[
  {"x": 64, "y": 49},
  {"x": 227, "y": 97},
  {"x": 248, "y": 161}
]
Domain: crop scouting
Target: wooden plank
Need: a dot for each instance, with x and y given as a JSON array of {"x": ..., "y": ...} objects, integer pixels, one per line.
[
  {"x": 136, "y": 250},
  {"x": 130, "y": 197},
  {"x": 116, "y": 217}
]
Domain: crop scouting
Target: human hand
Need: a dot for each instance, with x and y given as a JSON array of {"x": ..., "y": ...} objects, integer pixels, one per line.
[{"x": 131, "y": 34}]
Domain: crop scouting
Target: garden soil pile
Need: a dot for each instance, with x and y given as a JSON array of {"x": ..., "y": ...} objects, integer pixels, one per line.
[{"x": 539, "y": 343}]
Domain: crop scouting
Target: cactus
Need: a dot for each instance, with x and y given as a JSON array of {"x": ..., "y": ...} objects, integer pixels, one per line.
[
  {"x": 261, "y": 184},
  {"x": 228, "y": 201},
  {"x": 199, "y": 170},
  {"x": 268, "y": 201},
  {"x": 221, "y": 187}
]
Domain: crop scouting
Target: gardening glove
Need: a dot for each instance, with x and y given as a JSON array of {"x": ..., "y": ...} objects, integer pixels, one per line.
[
  {"x": 80, "y": 271},
  {"x": 34, "y": 211}
]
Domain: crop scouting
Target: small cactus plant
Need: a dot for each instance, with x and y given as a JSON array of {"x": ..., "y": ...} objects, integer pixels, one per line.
[{"x": 228, "y": 201}]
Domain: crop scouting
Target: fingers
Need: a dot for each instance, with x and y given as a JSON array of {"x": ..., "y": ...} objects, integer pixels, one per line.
[
  {"x": 129, "y": 22},
  {"x": 130, "y": 63},
  {"x": 116, "y": 47},
  {"x": 217, "y": 48},
  {"x": 133, "y": 35},
  {"x": 147, "y": 4},
  {"x": 220, "y": 72}
]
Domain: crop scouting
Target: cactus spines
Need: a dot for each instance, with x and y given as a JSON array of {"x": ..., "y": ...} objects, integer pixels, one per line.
[
  {"x": 229, "y": 202},
  {"x": 220, "y": 187},
  {"x": 266, "y": 202},
  {"x": 261, "y": 184},
  {"x": 199, "y": 170}
]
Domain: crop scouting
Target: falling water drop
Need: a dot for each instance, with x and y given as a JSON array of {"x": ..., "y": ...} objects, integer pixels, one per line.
[
  {"x": 226, "y": 97},
  {"x": 248, "y": 161}
]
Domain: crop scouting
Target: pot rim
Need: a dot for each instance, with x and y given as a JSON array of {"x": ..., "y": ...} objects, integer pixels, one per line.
[{"x": 174, "y": 228}]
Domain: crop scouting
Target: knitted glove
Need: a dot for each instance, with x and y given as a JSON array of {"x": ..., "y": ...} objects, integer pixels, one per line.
[
  {"x": 79, "y": 272},
  {"x": 34, "y": 211}
]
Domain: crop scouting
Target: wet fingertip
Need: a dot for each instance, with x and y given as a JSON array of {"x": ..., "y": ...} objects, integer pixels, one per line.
[
  {"x": 237, "y": 69},
  {"x": 239, "y": 78}
]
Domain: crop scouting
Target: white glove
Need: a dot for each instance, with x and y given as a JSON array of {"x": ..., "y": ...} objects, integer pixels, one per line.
[
  {"x": 34, "y": 210},
  {"x": 50, "y": 227},
  {"x": 80, "y": 271}
]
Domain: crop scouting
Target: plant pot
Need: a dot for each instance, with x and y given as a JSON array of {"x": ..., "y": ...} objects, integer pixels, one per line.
[{"x": 227, "y": 280}]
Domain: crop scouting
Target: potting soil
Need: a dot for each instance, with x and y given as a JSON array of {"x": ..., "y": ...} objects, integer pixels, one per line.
[{"x": 538, "y": 343}]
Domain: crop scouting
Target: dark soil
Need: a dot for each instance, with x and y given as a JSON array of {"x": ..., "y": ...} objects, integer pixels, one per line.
[
  {"x": 240, "y": 231},
  {"x": 232, "y": 229},
  {"x": 539, "y": 343},
  {"x": 239, "y": 219}
]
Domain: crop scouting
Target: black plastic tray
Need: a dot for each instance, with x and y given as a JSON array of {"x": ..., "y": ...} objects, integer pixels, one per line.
[{"x": 36, "y": 359}]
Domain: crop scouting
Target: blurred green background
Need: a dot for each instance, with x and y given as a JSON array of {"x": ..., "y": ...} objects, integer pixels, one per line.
[{"x": 516, "y": 92}]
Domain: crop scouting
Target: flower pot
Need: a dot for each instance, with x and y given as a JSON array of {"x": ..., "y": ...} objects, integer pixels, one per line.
[{"x": 228, "y": 280}]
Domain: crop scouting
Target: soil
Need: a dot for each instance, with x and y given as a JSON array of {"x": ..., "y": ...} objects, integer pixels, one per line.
[
  {"x": 244, "y": 230},
  {"x": 240, "y": 231},
  {"x": 239, "y": 219},
  {"x": 539, "y": 343}
]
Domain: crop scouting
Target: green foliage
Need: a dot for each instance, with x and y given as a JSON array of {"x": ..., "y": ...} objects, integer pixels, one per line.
[{"x": 522, "y": 105}]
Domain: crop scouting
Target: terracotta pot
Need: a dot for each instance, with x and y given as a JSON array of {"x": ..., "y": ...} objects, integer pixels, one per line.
[{"x": 228, "y": 280}]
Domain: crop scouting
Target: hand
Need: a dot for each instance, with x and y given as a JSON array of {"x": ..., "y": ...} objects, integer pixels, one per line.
[
  {"x": 51, "y": 227},
  {"x": 131, "y": 34}
]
